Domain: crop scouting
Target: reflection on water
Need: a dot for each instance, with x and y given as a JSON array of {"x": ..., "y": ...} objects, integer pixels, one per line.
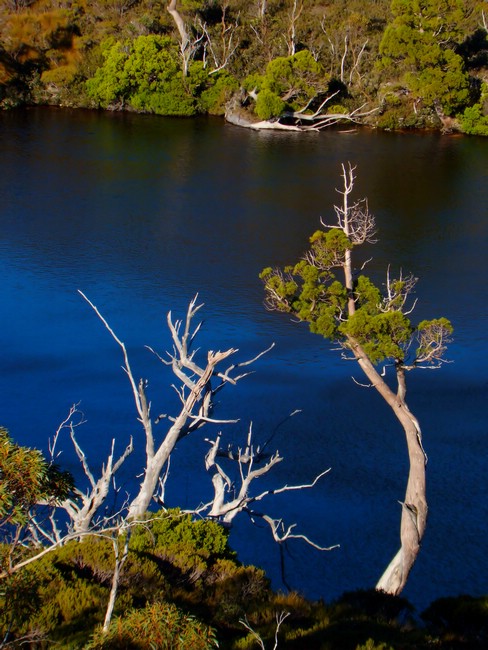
[{"x": 142, "y": 212}]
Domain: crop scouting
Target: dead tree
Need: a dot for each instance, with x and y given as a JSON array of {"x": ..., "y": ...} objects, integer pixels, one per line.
[
  {"x": 346, "y": 53},
  {"x": 83, "y": 506},
  {"x": 223, "y": 47},
  {"x": 188, "y": 44},
  {"x": 299, "y": 121},
  {"x": 294, "y": 17},
  {"x": 234, "y": 496},
  {"x": 198, "y": 385},
  {"x": 280, "y": 619}
]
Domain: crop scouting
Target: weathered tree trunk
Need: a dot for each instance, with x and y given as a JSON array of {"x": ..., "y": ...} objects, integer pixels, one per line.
[
  {"x": 185, "y": 45},
  {"x": 199, "y": 395},
  {"x": 298, "y": 121},
  {"x": 414, "y": 507},
  {"x": 119, "y": 563},
  {"x": 83, "y": 508},
  {"x": 324, "y": 256}
]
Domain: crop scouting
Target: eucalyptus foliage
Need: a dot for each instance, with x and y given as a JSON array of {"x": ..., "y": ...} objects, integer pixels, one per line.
[{"x": 26, "y": 478}]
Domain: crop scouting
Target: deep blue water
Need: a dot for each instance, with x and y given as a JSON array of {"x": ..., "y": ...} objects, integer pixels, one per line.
[{"x": 141, "y": 213}]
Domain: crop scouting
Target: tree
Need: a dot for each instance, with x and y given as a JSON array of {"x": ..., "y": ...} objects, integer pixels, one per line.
[
  {"x": 25, "y": 479},
  {"x": 231, "y": 497},
  {"x": 188, "y": 43},
  {"x": 291, "y": 95},
  {"x": 198, "y": 385},
  {"x": 288, "y": 83},
  {"x": 420, "y": 42},
  {"x": 83, "y": 507},
  {"x": 372, "y": 326},
  {"x": 349, "y": 41},
  {"x": 28, "y": 480},
  {"x": 143, "y": 73}
]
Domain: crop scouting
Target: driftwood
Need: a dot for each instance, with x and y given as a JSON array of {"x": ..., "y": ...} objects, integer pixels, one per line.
[{"x": 297, "y": 121}]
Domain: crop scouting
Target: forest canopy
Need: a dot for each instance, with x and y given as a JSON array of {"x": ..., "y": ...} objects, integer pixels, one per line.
[{"x": 391, "y": 64}]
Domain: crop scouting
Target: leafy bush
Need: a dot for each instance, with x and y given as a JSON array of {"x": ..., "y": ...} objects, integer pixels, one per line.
[
  {"x": 269, "y": 105},
  {"x": 143, "y": 73},
  {"x": 371, "y": 645},
  {"x": 463, "y": 618},
  {"x": 221, "y": 87},
  {"x": 26, "y": 479},
  {"x": 62, "y": 75},
  {"x": 371, "y": 604},
  {"x": 160, "y": 626},
  {"x": 175, "y": 535},
  {"x": 50, "y": 599},
  {"x": 473, "y": 122}
]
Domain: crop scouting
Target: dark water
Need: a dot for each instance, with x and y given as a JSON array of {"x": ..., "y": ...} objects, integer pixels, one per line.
[{"x": 141, "y": 213}]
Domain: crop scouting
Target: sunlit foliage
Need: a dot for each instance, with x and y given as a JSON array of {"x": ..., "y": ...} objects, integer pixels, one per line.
[{"x": 25, "y": 479}]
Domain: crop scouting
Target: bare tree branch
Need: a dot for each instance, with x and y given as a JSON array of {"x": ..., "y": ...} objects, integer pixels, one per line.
[
  {"x": 280, "y": 618},
  {"x": 196, "y": 393}
]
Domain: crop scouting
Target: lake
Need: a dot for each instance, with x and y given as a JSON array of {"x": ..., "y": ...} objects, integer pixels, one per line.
[{"x": 142, "y": 212}]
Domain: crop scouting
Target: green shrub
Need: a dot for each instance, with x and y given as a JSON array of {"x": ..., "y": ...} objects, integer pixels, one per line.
[
  {"x": 269, "y": 105},
  {"x": 60, "y": 76},
  {"x": 464, "y": 618},
  {"x": 222, "y": 86},
  {"x": 159, "y": 626},
  {"x": 371, "y": 604},
  {"x": 371, "y": 645},
  {"x": 175, "y": 534},
  {"x": 26, "y": 479},
  {"x": 144, "y": 73},
  {"x": 473, "y": 122}
]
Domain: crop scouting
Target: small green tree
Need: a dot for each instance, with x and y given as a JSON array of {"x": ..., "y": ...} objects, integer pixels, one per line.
[
  {"x": 473, "y": 122},
  {"x": 110, "y": 83},
  {"x": 374, "y": 327}
]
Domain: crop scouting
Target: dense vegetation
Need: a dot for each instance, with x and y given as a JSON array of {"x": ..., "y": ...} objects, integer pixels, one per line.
[
  {"x": 397, "y": 63},
  {"x": 180, "y": 573}
]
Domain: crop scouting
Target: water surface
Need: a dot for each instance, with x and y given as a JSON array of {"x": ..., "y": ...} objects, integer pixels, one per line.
[{"x": 141, "y": 213}]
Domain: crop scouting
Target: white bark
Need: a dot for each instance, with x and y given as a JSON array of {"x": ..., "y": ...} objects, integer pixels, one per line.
[
  {"x": 119, "y": 563},
  {"x": 85, "y": 506},
  {"x": 280, "y": 618},
  {"x": 414, "y": 507},
  {"x": 82, "y": 507},
  {"x": 222, "y": 48},
  {"x": 188, "y": 46},
  {"x": 358, "y": 225},
  {"x": 230, "y": 499},
  {"x": 296, "y": 11},
  {"x": 298, "y": 121},
  {"x": 198, "y": 385}
]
